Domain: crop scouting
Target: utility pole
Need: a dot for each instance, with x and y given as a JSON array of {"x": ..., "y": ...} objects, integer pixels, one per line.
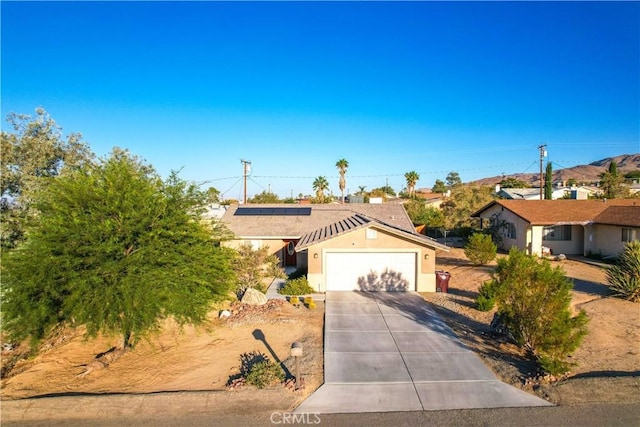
[
  {"x": 247, "y": 165},
  {"x": 543, "y": 153}
]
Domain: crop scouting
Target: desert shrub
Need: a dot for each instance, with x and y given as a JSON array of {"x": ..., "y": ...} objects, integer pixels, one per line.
[
  {"x": 253, "y": 266},
  {"x": 299, "y": 286},
  {"x": 265, "y": 374},
  {"x": 258, "y": 370},
  {"x": 294, "y": 300},
  {"x": 486, "y": 296},
  {"x": 299, "y": 272},
  {"x": 312, "y": 305},
  {"x": 480, "y": 250},
  {"x": 533, "y": 300},
  {"x": 624, "y": 276}
]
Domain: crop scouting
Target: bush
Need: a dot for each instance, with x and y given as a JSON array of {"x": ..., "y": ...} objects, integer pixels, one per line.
[
  {"x": 299, "y": 272},
  {"x": 265, "y": 374},
  {"x": 624, "y": 276},
  {"x": 480, "y": 250},
  {"x": 252, "y": 267},
  {"x": 534, "y": 302},
  {"x": 299, "y": 286},
  {"x": 486, "y": 296}
]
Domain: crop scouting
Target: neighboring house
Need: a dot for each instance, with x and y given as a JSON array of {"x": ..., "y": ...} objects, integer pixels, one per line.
[
  {"x": 534, "y": 193},
  {"x": 570, "y": 227},
  {"x": 343, "y": 247},
  {"x": 432, "y": 199}
]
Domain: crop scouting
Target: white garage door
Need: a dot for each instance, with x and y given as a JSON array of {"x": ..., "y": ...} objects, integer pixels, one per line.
[{"x": 371, "y": 271}]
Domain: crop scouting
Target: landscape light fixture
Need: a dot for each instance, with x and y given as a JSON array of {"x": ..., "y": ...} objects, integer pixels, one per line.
[{"x": 296, "y": 351}]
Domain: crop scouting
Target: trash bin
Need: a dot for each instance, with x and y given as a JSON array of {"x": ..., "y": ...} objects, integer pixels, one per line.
[{"x": 442, "y": 281}]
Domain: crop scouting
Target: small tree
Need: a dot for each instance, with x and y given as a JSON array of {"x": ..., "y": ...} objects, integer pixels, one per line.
[
  {"x": 624, "y": 277},
  {"x": 115, "y": 249},
  {"x": 480, "y": 250},
  {"x": 534, "y": 302},
  {"x": 252, "y": 267}
]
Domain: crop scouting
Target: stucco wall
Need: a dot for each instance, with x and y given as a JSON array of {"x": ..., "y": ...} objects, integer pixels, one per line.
[
  {"x": 524, "y": 235},
  {"x": 607, "y": 240},
  {"x": 357, "y": 241},
  {"x": 567, "y": 247}
]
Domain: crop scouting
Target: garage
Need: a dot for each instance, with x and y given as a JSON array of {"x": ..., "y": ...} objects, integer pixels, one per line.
[{"x": 371, "y": 271}]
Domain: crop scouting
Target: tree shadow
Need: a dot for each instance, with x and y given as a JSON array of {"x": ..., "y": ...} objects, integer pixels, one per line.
[
  {"x": 463, "y": 297},
  {"x": 389, "y": 280},
  {"x": 608, "y": 374},
  {"x": 591, "y": 288}
]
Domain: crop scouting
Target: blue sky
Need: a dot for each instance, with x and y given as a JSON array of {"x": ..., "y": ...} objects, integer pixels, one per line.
[{"x": 295, "y": 86}]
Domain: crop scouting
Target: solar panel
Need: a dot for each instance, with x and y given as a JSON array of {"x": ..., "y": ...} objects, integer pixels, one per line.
[{"x": 243, "y": 211}]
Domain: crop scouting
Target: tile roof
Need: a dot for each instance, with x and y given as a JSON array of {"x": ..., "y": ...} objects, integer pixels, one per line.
[
  {"x": 626, "y": 216},
  {"x": 358, "y": 221},
  {"x": 322, "y": 215},
  {"x": 555, "y": 212}
]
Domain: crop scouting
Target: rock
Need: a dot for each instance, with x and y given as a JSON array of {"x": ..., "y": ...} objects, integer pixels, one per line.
[
  {"x": 254, "y": 297},
  {"x": 561, "y": 257},
  {"x": 224, "y": 314}
]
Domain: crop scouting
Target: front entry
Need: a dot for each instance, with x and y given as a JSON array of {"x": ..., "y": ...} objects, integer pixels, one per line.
[{"x": 290, "y": 256}]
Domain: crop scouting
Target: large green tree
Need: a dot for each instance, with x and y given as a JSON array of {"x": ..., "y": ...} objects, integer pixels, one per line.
[
  {"x": 439, "y": 187},
  {"x": 612, "y": 183},
  {"x": 265, "y": 197},
  {"x": 453, "y": 179},
  {"x": 420, "y": 214},
  {"x": 512, "y": 182},
  {"x": 33, "y": 153},
  {"x": 465, "y": 200},
  {"x": 342, "y": 166},
  {"x": 116, "y": 249}
]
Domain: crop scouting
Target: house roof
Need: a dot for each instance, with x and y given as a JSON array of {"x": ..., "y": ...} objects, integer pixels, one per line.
[
  {"x": 557, "y": 212},
  {"x": 295, "y": 226},
  {"x": 628, "y": 216},
  {"x": 356, "y": 222},
  {"x": 520, "y": 193}
]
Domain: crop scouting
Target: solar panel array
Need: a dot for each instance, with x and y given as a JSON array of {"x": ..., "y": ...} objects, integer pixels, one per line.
[{"x": 273, "y": 211}]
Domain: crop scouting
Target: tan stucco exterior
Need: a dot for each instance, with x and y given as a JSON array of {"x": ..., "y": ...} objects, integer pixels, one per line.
[
  {"x": 605, "y": 240},
  {"x": 357, "y": 241}
]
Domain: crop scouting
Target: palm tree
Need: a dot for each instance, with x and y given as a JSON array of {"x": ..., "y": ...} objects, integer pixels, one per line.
[
  {"x": 320, "y": 185},
  {"x": 342, "y": 166},
  {"x": 361, "y": 190},
  {"x": 411, "y": 177}
]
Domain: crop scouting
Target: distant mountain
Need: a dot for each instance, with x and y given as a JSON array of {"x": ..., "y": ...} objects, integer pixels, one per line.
[{"x": 584, "y": 174}]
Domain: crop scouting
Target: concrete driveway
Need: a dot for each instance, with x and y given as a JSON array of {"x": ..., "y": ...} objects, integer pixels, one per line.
[{"x": 389, "y": 351}]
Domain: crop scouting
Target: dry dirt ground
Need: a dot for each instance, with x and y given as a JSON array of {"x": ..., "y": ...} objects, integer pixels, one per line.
[
  {"x": 607, "y": 364},
  {"x": 205, "y": 358}
]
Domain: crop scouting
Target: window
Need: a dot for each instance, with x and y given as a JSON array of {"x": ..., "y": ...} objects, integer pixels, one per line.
[
  {"x": 510, "y": 230},
  {"x": 557, "y": 233},
  {"x": 630, "y": 234}
]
